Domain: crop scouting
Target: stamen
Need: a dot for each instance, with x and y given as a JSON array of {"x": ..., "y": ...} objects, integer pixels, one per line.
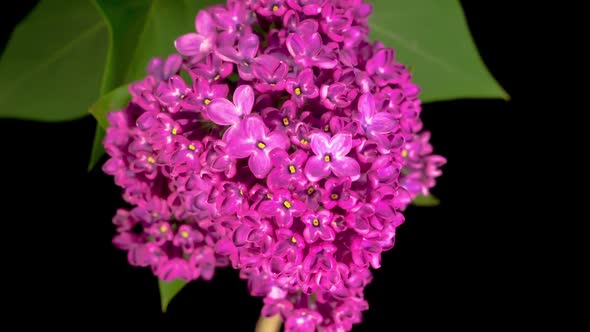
[
  {"x": 292, "y": 169},
  {"x": 261, "y": 145},
  {"x": 297, "y": 91},
  {"x": 287, "y": 204},
  {"x": 316, "y": 222}
]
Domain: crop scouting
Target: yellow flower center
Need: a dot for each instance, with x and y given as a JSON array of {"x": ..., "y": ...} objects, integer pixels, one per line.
[
  {"x": 192, "y": 147},
  {"x": 293, "y": 239},
  {"x": 268, "y": 196},
  {"x": 275, "y": 8},
  {"x": 404, "y": 153},
  {"x": 241, "y": 192},
  {"x": 303, "y": 141},
  {"x": 287, "y": 204},
  {"x": 285, "y": 121},
  {"x": 334, "y": 196},
  {"x": 155, "y": 214},
  {"x": 261, "y": 145},
  {"x": 310, "y": 190},
  {"x": 216, "y": 77},
  {"x": 292, "y": 169},
  {"x": 184, "y": 234},
  {"x": 207, "y": 101},
  {"x": 327, "y": 128},
  {"x": 174, "y": 131},
  {"x": 327, "y": 158},
  {"x": 316, "y": 222},
  {"x": 163, "y": 229},
  {"x": 297, "y": 91},
  {"x": 151, "y": 160}
]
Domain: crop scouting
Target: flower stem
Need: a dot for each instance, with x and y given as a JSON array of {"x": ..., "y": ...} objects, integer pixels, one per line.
[{"x": 268, "y": 324}]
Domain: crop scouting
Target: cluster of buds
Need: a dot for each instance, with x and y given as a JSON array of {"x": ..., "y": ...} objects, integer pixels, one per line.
[{"x": 280, "y": 141}]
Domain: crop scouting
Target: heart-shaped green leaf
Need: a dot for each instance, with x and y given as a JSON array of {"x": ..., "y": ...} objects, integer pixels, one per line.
[
  {"x": 168, "y": 290},
  {"x": 52, "y": 67},
  {"x": 432, "y": 36}
]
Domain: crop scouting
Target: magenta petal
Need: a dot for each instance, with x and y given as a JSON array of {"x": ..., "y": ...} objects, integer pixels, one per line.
[
  {"x": 244, "y": 99},
  {"x": 295, "y": 45},
  {"x": 383, "y": 122},
  {"x": 172, "y": 65},
  {"x": 204, "y": 24},
  {"x": 223, "y": 112},
  {"x": 346, "y": 167},
  {"x": 248, "y": 45},
  {"x": 259, "y": 164},
  {"x": 320, "y": 143},
  {"x": 317, "y": 169},
  {"x": 189, "y": 44},
  {"x": 341, "y": 144},
  {"x": 238, "y": 147},
  {"x": 276, "y": 179}
]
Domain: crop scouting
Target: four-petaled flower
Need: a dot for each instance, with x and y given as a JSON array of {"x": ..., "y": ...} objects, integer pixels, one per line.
[
  {"x": 287, "y": 169},
  {"x": 330, "y": 157},
  {"x": 317, "y": 225},
  {"x": 199, "y": 44},
  {"x": 252, "y": 139},
  {"x": 283, "y": 207},
  {"x": 302, "y": 87}
]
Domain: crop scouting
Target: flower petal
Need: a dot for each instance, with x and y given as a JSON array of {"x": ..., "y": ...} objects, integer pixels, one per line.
[
  {"x": 244, "y": 99},
  {"x": 223, "y": 112},
  {"x": 259, "y": 164},
  {"x": 189, "y": 44},
  {"x": 340, "y": 144},
  {"x": 317, "y": 169},
  {"x": 204, "y": 24},
  {"x": 320, "y": 144},
  {"x": 346, "y": 167}
]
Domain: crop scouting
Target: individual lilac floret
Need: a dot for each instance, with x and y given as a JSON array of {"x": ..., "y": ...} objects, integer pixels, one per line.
[
  {"x": 199, "y": 44},
  {"x": 330, "y": 157},
  {"x": 225, "y": 113},
  {"x": 254, "y": 140}
]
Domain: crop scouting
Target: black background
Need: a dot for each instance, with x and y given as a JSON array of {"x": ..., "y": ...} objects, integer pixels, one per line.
[{"x": 454, "y": 266}]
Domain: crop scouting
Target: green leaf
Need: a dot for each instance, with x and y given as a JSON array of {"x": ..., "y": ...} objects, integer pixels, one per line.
[
  {"x": 110, "y": 102},
  {"x": 143, "y": 29},
  {"x": 432, "y": 36},
  {"x": 52, "y": 67},
  {"x": 168, "y": 290},
  {"x": 97, "y": 148},
  {"x": 429, "y": 200}
]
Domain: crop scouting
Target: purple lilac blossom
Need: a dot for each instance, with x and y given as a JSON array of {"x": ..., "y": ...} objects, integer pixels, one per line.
[{"x": 296, "y": 173}]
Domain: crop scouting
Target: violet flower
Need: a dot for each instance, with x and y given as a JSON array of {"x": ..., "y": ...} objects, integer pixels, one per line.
[
  {"x": 283, "y": 207},
  {"x": 252, "y": 139},
  {"x": 270, "y": 72},
  {"x": 243, "y": 56},
  {"x": 317, "y": 225},
  {"x": 287, "y": 169},
  {"x": 330, "y": 157},
  {"x": 308, "y": 51},
  {"x": 199, "y": 44},
  {"x": 302, "y": 87}
]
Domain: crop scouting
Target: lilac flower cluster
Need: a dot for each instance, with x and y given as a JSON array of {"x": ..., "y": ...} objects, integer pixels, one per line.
[{"x": 282, "y": 142}]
